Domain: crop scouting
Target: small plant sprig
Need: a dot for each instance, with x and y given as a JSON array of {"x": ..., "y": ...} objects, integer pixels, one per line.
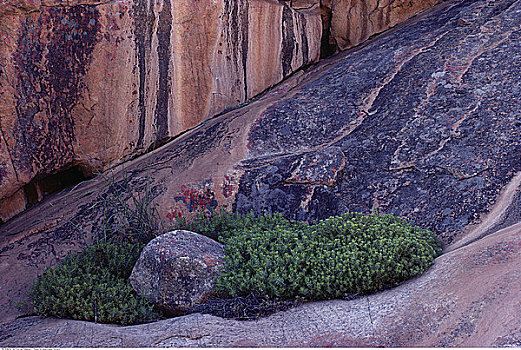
[
  {"x": 127, "y": 211},
  {"x": 128, "y": 214}
]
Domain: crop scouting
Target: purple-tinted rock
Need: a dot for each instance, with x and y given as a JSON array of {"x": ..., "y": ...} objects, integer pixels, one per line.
[{"x": 176, "y": 270}]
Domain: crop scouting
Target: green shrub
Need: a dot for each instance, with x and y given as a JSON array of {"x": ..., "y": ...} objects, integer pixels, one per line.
[
  {"x": 93, "y": 286},
  {"x": 269, "y": 262},
  {"x": 352, "y": 253},
  {"x": 222, "y": 225}
]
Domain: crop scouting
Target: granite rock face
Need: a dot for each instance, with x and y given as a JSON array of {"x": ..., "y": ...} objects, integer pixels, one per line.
[
  {"x": 176, "y": 271},
  {"x": 347, "y": 23},
  {"x": 95, "y": 82},
  {"x": 354, "y": 21},
  {"x": 422, "y": 121},
  {"x": 92, "y": 83}
]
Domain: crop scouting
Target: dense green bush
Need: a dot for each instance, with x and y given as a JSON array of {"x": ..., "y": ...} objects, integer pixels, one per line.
[
  {"x": 352, "y": 253},
  {"x": 270, "y": 261},
  {"x": 93, "y": 285},
  {"x": 222, "y": 225}
]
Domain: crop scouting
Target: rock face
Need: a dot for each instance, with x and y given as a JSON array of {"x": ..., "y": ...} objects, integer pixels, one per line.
[
  {"x": 92, "y": 82},
  {"x": 354, "y": 21},
  {"x": 422, "y": 122},
  {"x": 176, "y": 270},
  {"x": 347, "y": 23},
  {"x": 377, "y": 128}
]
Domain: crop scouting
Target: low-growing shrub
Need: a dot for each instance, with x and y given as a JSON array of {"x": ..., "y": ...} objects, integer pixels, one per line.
[
  {"x": 222, "y": 225},
  {"x": 352, "y": 253},
  {"x": 271, "y": 264},
  {"x": 93, "y": 286}
]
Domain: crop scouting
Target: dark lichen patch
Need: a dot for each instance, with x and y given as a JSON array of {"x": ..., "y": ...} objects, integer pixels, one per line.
[
  {"x": 288, "y": 40},
  {"x": 143, "y": 17},
  {"x": 426, "y": 119},
  {"x": 53, "y": 55},
  {"x": 163, "y": 52},
  {"x": 265, "y": 189},
  {"x": 3, "y": 172}
]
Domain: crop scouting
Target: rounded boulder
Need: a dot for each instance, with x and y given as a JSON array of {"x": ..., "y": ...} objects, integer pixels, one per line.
[{"x": 176, "y": 271}]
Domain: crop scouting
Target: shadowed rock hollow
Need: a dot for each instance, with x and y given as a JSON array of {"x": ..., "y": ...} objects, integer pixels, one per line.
[{"x": 422, "y": 121}]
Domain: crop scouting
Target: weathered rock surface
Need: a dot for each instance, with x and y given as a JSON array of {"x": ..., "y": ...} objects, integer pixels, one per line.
[
  {"x": 354, "y": 21},
  {"x": 422, "y": 121},
  {"x": 94, "y": 83},
  {"x": 176, "y": 270},
  {"x": 90, "y": 83},
  {"x": 469, "y": 298}
]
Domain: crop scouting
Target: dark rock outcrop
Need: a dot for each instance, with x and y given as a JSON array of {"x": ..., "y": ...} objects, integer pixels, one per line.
[{"x": 176, "y": 271}]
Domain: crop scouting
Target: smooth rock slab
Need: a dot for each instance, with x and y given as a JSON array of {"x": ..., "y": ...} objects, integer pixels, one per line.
[{"x": 176, "y": 270}]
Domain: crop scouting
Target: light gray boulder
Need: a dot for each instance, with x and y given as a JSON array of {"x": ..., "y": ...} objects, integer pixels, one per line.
[{"x": 176, "y": 270}]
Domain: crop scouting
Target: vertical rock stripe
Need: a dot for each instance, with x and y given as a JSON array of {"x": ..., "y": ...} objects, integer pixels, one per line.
[
  {"x": 142, "y": 37},
  {"x": 244, "y": 44},
  {"x": 288, "y": 40},
  {"x": 163, "y": 52}
]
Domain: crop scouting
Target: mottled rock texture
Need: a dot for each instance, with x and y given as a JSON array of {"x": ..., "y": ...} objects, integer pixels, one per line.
[
  {"x": 354, "y": 21},
  {"x": 422, "y": 121},
  {"x": 90, "y": 83},
  {"x": 176, "y": 271}
]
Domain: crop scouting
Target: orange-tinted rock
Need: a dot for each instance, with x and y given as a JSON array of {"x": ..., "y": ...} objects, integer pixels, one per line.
[
  {"x": 354, "y": 21},
  {"x": 95, "y": 83},
  {"x": 13, "y": 205}
]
